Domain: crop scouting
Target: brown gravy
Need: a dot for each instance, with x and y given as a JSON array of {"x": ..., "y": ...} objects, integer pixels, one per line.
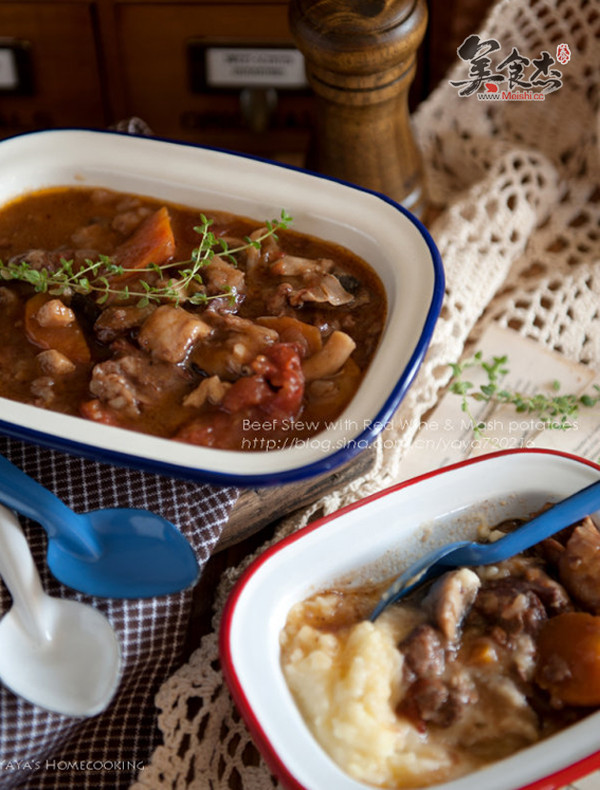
[{"x": 274, "y": 353}]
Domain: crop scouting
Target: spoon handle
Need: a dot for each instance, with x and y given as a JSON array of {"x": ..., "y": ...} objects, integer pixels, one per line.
[
  {"x": 566, "y": 512},
  {"x": 25, "y": 495},
  {"x": 20, "y": 575}
]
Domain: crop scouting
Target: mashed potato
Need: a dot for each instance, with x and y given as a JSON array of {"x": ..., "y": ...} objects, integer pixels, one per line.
[
  {"x": 347, "y": 683},
  {"x": 437, "y": 687}
]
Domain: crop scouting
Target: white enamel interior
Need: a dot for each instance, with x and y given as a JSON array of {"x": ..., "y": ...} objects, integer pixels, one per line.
[
  {"x": 372, "y": 541},
  {"x": 370, "y": 226}
]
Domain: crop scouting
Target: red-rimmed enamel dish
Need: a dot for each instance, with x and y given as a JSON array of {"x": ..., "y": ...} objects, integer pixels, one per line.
[{"x": 380, "y": 535}]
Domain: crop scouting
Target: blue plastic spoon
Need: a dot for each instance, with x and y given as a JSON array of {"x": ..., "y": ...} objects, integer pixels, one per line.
[
  {"x": 466, "y": 553},
  {"x": 111, "y": 553}
]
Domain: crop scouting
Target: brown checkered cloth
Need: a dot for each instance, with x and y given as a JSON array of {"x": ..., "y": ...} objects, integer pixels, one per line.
[{"x": 39, "y": 749}]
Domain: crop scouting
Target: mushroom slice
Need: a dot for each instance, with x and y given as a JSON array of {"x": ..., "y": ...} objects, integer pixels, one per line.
[
  {"x": 450, "y": 600},
  {"x": 54, "y": 313},
  {"x": 211, "y": 390},
  {"x": 53, "y": 363},
  {"x": 294, "y": 266},
  {"x": 325, "y": 288},
  {"x": 330, "y": 358},
  {"x": 579, "y": 565}
]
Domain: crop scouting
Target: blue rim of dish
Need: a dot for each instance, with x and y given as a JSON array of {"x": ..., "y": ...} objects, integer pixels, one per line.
[{"x": 313, "y": 469}]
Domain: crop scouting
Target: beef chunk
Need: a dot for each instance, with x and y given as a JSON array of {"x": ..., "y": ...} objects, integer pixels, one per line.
[
  {"x": 131, "y": 382},
  {"x": 511, "y": 604},
  {"x": 427, "y": 701},
  {"x": 8, "y": 299},
  {"x": 439, "y": 701},
  {"x": 116, "y": 321},
  {"x": 222, "y": 276},
  {"x": 579, "y": 565},
  {"x": 552, "y": 594},
  {"x": 232, "y": 347},
  {"x": 38, "y": 259},
  {"x": 170, "y": 332},
  {"x": 440, "y": 693},
  {"x": 423, "y": 652}
]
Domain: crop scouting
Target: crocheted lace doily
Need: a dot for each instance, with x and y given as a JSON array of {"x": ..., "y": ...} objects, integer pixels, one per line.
[{"x": 518, "y": 186}]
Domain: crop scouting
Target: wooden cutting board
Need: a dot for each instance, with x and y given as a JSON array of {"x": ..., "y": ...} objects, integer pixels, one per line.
[
  {"x": 254, "y": 520},
  {"x": 258, "y": 507}
]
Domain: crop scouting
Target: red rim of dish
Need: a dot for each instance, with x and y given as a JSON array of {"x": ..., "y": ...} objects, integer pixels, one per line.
[{"x": 551, "y": 782}]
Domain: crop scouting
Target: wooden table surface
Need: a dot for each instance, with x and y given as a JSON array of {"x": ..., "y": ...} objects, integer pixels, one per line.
[{"x": 253, "y": 521}]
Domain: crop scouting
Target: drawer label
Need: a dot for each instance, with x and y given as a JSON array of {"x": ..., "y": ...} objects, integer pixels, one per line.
[
  {"x": 9, "y": 78},
  {"x": 246, "y": 67}
]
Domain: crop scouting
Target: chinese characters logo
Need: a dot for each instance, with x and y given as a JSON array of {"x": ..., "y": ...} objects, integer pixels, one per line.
[{"x": 514, "y": 78}]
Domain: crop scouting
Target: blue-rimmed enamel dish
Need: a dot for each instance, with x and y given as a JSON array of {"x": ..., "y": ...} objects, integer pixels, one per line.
[{"x": 391, "y": 240}]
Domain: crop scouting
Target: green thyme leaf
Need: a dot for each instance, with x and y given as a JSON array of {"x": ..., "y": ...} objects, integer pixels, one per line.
[
  {"x": 93, "y": 275},
  {"x": 555, "y": 411}
]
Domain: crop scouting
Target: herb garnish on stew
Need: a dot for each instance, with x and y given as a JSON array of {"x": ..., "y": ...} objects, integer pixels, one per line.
[{"x": 199, "y": 326}]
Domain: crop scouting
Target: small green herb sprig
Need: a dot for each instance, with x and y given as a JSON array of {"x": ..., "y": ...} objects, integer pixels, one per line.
[
  {"x": 555, "y": 411},
  {"x": 93, "y": 276}
]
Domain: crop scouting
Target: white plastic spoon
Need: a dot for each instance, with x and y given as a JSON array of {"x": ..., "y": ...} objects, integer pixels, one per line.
[{"x": 61, "y": 655}]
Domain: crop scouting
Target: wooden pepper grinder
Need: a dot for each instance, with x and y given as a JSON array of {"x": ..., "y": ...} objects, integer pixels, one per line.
[{"x": 361, "y": 59}]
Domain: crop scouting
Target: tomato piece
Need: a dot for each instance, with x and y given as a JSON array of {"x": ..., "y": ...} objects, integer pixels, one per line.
[
  {"x": 216, "y": 429},
  {"x": 274, "y": 393},
  {"x": 284, "y": 373},
  {"x": 95, "y": 410},
  {"x": 569, "y": 662},
  {"x": 247, "y": 392},
  {"x": 152, "y": 242},
  {"x": 276, "y": 388},
  {"x": 69, "y": 339}
]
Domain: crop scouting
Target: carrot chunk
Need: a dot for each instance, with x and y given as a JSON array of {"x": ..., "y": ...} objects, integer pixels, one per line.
[
  {"x": 569, "y": 664},
  {"x": 152, "y": 242},
  {"x": 66, "y": 337}
]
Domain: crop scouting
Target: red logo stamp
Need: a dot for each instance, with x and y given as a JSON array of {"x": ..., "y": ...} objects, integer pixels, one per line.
[{"x": 563, "y": 54}]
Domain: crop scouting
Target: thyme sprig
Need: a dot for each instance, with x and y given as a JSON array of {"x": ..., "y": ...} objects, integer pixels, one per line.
[
  {"x": 93, "y": 276},
  {"x": 556, "y": 411}
]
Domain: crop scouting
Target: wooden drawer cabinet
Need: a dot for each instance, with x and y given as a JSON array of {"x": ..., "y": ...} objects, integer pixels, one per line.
[
  {"x": 59, "y": 43},
  {"x": 95, "y": 62},
  {"x": 161, "y": 46}
]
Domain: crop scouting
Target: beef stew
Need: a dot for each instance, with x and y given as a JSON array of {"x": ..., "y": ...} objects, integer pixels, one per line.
[{"x": 202, "y": 327}]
